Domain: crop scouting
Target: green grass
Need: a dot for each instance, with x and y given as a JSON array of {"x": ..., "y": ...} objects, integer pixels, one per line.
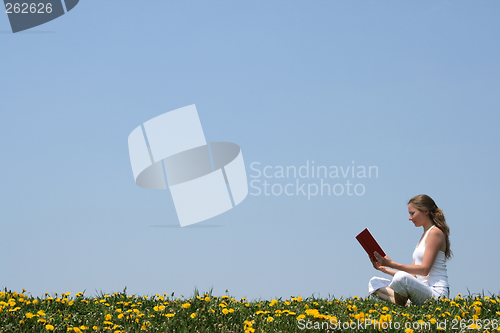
[{"x": 119, "y": 312}]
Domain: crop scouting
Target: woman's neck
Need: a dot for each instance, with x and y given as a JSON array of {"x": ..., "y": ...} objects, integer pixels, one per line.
[{"x": 428, "y": 225}]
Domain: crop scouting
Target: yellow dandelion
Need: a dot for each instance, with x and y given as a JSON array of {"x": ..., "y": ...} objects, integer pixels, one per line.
[
  {"x": 49, "y": 327},
  {"x": 269, "y": 319},
  {"x": 193, "y": 315},
  {"x": 360, "y": 316}
]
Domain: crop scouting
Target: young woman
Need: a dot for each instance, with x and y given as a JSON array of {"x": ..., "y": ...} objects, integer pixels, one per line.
[{"x": 426, "y": 277}]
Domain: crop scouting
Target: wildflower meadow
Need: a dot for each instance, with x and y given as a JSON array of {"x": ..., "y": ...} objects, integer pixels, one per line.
[{"x": 120, "y": 312}]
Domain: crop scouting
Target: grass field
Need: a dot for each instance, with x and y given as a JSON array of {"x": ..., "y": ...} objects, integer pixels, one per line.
[{"x": 120, "y": 312}]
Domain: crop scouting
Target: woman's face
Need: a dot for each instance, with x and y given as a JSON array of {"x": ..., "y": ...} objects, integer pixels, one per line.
[{"x": 417, "y": 217}]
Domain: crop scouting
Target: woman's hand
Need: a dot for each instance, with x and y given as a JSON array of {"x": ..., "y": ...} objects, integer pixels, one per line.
[
  {"x": 375, "y": 263},
  {"x": 382, "y": 268},
  {"x": 379, "y": 267},
  {"x": 383, "y": 261}
]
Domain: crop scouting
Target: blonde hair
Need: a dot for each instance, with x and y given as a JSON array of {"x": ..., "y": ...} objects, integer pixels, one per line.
[{"x": 424, "y": 203}]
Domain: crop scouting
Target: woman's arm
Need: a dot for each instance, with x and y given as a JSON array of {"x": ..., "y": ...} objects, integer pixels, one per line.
[{"x": 434, "y": 241}]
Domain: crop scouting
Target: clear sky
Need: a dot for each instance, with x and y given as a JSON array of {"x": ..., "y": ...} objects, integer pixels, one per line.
[{"x": 409, "y": 88}]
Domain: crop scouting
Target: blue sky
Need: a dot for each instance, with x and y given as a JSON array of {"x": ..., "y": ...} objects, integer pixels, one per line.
[{"x": 408, "y": 87}]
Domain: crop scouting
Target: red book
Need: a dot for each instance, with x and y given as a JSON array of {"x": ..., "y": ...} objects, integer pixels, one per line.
[{"x": 369, "y": 243}]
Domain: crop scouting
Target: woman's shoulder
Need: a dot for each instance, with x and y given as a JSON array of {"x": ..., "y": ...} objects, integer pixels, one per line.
[{"x": 436, "y": 233}]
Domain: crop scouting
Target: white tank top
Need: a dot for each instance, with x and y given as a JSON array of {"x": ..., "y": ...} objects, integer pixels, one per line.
[{"x": 438, "y": 274}]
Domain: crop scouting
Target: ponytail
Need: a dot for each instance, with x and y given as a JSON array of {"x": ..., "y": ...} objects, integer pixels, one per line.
[{"x": 425, "y": 203}]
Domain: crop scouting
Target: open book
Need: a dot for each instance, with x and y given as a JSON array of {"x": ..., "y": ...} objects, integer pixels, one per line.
[{"x": 369, "y": 243}]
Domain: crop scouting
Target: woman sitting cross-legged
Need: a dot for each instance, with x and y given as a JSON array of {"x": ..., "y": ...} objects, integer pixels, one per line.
[{"x": 427, "y": 276}]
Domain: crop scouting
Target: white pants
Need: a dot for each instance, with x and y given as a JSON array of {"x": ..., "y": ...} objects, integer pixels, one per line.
[{"x": 407, "y": 285}]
